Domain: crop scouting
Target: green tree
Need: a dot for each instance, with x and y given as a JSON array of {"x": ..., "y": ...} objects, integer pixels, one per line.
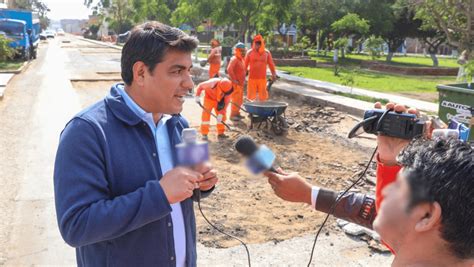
[
  {"x": 238, "y": 12},
  {"x": 6, "y": 52},
  {"x": 351, "y": 25},
  {"x": 453, "y": 17},
  {"x": 151, "y": 10},
  {"x": 120, "y": 15},
  {"x": 314, "y": 18},
  {"x": 379, "y": 14},
  {"x": 192, "y": 12},
  {"x": 373, "y": 45},
  {"x": 274, "y": 15},
  {"x": 405, "y": 25}
]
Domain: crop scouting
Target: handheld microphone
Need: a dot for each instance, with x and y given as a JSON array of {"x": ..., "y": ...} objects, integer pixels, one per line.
[
  {"x": 192, "y": 152},
  {"x": 259, "y": 158}
]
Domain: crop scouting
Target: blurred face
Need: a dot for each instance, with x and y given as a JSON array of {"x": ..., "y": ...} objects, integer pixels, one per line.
[
  {"x": 394, "y": 223},
  {"x": 164, "y": 89},
  {"x": 241, "y": 52},
  {"x": 258, "y": 45}
]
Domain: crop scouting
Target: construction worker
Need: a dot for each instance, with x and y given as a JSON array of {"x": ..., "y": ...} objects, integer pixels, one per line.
[
  {"x": 217, "y": 96},
  {"x": 236, "y": 71},
  {"x": 256, "y": 62},
  {"x": 214, "y": 58}
]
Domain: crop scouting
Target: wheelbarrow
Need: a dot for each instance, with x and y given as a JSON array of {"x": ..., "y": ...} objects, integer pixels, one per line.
[{"x": 268, "y": 112}]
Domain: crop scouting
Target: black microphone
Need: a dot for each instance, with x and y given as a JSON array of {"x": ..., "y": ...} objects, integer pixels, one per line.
[{"x": 259, "y": 158}]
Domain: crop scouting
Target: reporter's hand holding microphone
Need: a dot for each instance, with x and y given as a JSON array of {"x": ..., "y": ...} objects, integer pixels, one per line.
[
  {"x": 209, "y": 176},
  {"x": 179, "y": 183},
  {"x": 260, "y": 159},
  {"x": 194, "y": 174},
  {"x": 292, "y": 187}
]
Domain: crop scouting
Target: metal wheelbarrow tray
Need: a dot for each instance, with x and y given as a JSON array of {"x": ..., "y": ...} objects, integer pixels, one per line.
[{"x": 268, "y": 111}]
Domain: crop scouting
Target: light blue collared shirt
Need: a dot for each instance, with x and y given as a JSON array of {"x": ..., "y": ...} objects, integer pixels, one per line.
[{"x": 163, "y": 146}]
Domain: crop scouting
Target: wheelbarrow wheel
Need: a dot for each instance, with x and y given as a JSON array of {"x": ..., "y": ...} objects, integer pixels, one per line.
[{"x": 279, "y": 125}]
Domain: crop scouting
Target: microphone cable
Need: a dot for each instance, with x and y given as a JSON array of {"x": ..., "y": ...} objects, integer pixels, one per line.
[
  {"x": 222, "y": 231},
  {"x": 338, "y": 199}
]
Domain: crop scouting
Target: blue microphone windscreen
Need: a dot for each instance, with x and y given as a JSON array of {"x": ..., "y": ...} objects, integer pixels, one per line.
[{"x": 262, "y": 160}]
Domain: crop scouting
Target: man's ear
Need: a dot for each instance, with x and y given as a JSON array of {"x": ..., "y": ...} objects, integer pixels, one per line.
[
  {"x": 428, "y": 216},
  {"x": 139, "y": 71}
]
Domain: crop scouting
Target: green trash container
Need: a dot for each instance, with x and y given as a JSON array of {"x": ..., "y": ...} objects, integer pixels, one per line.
[{"x": 457, "y": 101}]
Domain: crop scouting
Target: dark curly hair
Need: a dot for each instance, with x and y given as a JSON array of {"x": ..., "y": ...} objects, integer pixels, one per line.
[
  {"x": 443, "y": 171},
  {"x": 149, "y": 43}
]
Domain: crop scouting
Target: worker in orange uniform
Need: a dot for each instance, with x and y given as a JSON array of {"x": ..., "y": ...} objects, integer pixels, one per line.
[
  {"x": 237, "y": 72},
  {"x": 214, "y": 58},
  {"x": 256, "y": 62},
  {"x": 217, "y": 96}
]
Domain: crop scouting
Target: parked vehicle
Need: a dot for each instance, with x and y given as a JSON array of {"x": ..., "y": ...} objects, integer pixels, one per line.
[
  {"x": 43, "y": 36},
  {"x": 50, "y": 34},
  {"x": 23, "y": 28},
  {"x": 123, "y": 37},
  {"x": 60, "y": 32}
]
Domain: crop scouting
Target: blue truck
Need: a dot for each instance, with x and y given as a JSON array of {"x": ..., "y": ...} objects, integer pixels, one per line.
[{"x": 22, "y": 27}]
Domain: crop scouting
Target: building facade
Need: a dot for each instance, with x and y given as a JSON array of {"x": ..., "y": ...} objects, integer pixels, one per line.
[{"x": 4, "y": 4}]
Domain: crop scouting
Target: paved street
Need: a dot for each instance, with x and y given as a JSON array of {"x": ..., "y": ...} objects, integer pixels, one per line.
[{"x": 36, "y": 106}]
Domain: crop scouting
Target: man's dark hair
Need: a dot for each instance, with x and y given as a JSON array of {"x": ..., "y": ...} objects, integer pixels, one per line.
[
  {"x": 149, "y": 43},
  {"x": 443, "y": 171}
]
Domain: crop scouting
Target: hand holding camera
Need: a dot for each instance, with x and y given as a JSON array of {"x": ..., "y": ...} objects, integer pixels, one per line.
[
  {"x": 389, "y": 147},
  {"x": 395, "y": 127}
]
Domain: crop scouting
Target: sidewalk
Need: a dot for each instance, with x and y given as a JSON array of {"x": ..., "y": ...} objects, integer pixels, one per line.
[
  {"x": 4, "y": 79},
  {"x": 332, "y": 87},
  {"x": 7, "y": 75}
]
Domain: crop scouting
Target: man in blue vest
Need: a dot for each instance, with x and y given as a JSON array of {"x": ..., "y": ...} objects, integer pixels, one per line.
[{"x": 120, "y": 200}]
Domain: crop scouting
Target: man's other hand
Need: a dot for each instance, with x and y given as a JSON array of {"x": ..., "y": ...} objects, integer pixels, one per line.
[
  {"x": 209, "y": 176},
  {"x": 179, "y": 183},
  {"x": 290, "y": 187}
]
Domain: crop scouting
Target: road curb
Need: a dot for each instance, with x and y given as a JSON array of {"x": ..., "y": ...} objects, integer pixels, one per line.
[
  {"x": 3, "y": 85},
  {"x": 335, "y": 88},
  {"x": 17, "y": 71},
  {"x": 315, "y": 97},
  {"x": 101, "y": 43}
]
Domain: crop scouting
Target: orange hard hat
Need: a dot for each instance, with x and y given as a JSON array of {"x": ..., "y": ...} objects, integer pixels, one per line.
[{"x": 225, "y": 85}]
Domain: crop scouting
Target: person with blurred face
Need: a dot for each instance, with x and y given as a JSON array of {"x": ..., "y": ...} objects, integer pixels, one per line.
[
  {"x": 424, "y": 211},
  {"x": 215, "y": 58},
  {"x": 236, "y": 71},
  {"x": 256, "y": 62},
  {"x": 120, "y": 198},
  {"x": 217, "y": 94}
]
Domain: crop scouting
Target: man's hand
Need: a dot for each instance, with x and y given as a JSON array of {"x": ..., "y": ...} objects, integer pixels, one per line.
[
  {"x": 274, "y": 77},
  {"x": 390, "y": 147},
  {"x": 209, "y": 176},
  {"x": 178, "y": 184},
  {"x": 290, "y": 187}
]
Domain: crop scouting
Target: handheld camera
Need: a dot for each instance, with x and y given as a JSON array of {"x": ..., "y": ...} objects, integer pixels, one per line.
[{"x": 389, "y": 123}]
